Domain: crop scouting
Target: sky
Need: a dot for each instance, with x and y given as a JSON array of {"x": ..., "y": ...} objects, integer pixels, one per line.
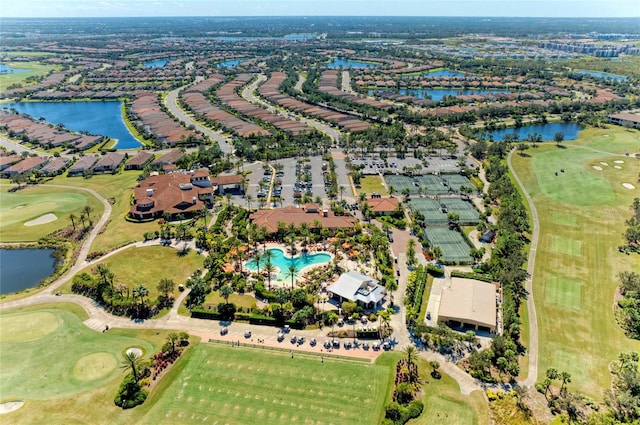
[{"x": 137, "y": 8}]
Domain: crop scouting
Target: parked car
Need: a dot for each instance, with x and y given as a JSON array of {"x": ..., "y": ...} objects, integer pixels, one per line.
[
  {"x": 247, "y": 334},
  {"x": 280, "y": 337}
]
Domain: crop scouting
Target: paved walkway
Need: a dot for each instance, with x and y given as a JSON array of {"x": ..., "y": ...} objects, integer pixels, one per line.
[{"x": 532, "y": 374}]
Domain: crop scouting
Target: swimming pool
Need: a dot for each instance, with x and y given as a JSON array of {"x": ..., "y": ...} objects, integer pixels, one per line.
[{"x": 282, "y": 262}]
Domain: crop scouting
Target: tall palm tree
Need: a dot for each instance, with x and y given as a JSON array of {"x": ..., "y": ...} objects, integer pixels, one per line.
[
  {"x": 269, "y": 269},
  {"x": 410, "y": 354},
  {"x": 73, "y": 219},
  {"x": 172, "y": 338},
  {"x": 132, "y": 361},
  {"x": 225, "y": 292},
  {"x": 292, "y": 272},
  {"x": 140, "y": 291}
]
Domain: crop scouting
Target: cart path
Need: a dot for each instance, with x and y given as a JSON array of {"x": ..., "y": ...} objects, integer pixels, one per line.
[{"x": 532, "y": 374}]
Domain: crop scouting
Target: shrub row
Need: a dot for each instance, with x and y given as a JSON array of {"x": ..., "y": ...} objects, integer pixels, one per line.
[{"x": 472, "y": 275}]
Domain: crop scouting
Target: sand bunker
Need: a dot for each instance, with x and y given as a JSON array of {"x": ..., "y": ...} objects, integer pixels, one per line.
[
  {"x": 135, "y": 350},
  {"x": 617, "y": 167},
  {"x": 10, "y": 406},
  {"x": 47, "y": 218},
  {"x": 619, "y": 161},
  {"x": 597, "y": 167},
  {"x": 628, "y": 185},
  {"x": 604, "y": 163}
]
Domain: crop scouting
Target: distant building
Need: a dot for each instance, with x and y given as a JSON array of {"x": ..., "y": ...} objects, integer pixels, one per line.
[
  {"x": 139, "y": 161},
  {"x": 170, "y": 158},
  {"x": 355, "y": 287},
  {"x": 30, "y": 163},
  {"x": 383, "y": 206},
  {"x": 55, "y": 166},
  {"x": 109, "y": 162},
  {"x": 296, "y": 216},
  {"x": 82, "y": 165},
  {"x": 625, "y": 118}
]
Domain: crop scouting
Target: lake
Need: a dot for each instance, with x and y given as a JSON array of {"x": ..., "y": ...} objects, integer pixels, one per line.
[
  {"x": 159, "y": 63},
  {"x": 231, "y": 63},
  {"x": 604, "y": 75},
  {"x": 24, "y": 268},
  {"x": 6, "y": 69},
  {"x": 570, "y": 130},
  {"x": 444, "y": 73},
  {"x": 438, "y": 94},
  {"x": 101, "y": 118},
  {"x": 346, "y": 63}
]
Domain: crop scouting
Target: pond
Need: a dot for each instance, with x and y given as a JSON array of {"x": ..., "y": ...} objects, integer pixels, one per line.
[
  {"x": 347, "y": 63},
  {"x": 444, "y": 73},
  {"x": 604, "y": 75},
  {"x": 101, "y": 118},
  {"x": 24, "y": 268},
  {"x": 438, "y": 94},
  {"x": 231, "y": 63},
  {"x": 6, "y": 69},
  {"x": 158, "y": 63},
  {"x": 547, "y": 131}
]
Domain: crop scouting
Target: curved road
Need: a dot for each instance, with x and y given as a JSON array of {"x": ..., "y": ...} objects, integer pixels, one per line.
[
  {"x": 171, "y": 102},
  {"x": 249, "y": 96},
  {"x": 532, "y": 374}
]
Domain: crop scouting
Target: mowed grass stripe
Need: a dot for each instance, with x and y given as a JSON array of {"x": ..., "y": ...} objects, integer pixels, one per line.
[
  {"x": 566, "y": 246},
  {"x": 241, "y": 385},
  {"x": 589, "y": 333},
  {"x": 564, "y": 292}
]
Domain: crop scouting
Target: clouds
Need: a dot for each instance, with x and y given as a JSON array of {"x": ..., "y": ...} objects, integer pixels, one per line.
[{"x": 92, "y": 8}]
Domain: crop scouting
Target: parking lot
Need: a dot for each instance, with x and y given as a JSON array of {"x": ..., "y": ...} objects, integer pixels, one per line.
[{"x": 398, "y": 166}]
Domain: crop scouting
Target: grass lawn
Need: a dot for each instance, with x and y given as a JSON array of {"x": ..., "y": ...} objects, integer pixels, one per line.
[
  {"x": 582, "y": 213},
  {"x": 118, "y": 187},
  {"x": 244, "y": 301},
  {"x": 140, "y": 266},
  {"x": 27, "y": 204},
  {"x": 370, "y": 184},
  {"x": 243, "y": 386},
  {"x": 34, "y": 68}
]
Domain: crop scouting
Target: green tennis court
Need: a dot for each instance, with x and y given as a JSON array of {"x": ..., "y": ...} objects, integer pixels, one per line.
[
  {"x": 435, "y": 211},
  {"x": 400, "y": 183},
  {"x": 453, "y": 246}
]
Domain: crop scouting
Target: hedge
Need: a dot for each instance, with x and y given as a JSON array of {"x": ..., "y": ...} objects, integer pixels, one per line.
[
  {"x": 472, "y": 275},
  {"x": 435, "y": 270}
]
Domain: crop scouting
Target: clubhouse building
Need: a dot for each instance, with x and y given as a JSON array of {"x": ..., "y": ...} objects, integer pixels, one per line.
[{"x": 469, "y": 303}]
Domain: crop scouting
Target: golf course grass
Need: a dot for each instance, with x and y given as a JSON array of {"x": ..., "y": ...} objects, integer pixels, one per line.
[
  {"x": 233, "y": 385},
  {"x": 118, "y": 189},
  {"x": 64, "y": 359},
  {"x": 147, "y": 266},
  {"x": 582, "y": 212},
  {"x": 34, "y": 69},
  {"x": 32, "y": 202}
]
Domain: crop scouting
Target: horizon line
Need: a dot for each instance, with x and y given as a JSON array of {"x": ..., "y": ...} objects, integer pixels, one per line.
[{"x": 324, "y": 16}]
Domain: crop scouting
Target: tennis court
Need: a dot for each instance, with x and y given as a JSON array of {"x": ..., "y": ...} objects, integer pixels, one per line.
[
  {"x": 455, "y": 181},
  {"x": 453, "y": 246},
  {"x": 400, "y": 183},
  {"x": 435, "y": 215},
  {"x": 432, "y": 185},
  {"x": 465, "y": 209}
]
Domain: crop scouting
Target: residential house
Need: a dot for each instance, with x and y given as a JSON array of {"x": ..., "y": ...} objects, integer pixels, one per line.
[
  {"x": 82, "y": 165},
  {"x": 109, "y": 162},
  {"x": 356, "y": 287}
]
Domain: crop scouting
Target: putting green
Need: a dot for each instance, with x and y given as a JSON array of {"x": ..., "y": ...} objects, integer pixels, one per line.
[
  {"x": 563, "y": 292},
  {"x": 26, "y": 327},
  {"x": 567, "y": 246},
  {"x": 94, "y": 366}
]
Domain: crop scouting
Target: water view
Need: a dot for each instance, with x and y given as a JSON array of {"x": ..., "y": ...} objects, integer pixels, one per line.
[
  {"x": 347, "y": 63},
  {"x": 6, "y": 69},
  {"x": 103, "y": 118},
  {"x": 24, "y": 268},
  {"x": 159, "y": 63},
  {"x": 231, "y": 63},
  {"x": 604, "y": 75},
  {"x": 444, "y": 73},
  {"x": 282, "y": 262},
  {"x": 547, "y": 131},
  {"x": 438, "y": 94}
]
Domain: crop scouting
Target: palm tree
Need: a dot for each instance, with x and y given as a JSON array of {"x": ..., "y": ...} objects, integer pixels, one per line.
[
  {"x": 342, "y": 190},
  {"x": 73, "y": 219},
  {"x": 566, "y": 378},
  {"x": 410, "y": 354},
  {"x": 292, "y": 271},
  {"x": 132, "y": 361},
  {"x": 140, "y": 291},
  {"x": 249, "y": 200},
  {"x": 269, "y": 269},
  {"x": 225, "y": 292},
  {"x": 172, "y": 338},
  {"x": 88, "y": 210}
]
